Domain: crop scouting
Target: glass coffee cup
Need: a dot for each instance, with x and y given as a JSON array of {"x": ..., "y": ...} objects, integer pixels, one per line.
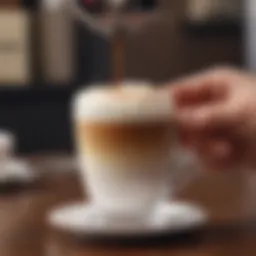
[{"x": 126, "y": 141}]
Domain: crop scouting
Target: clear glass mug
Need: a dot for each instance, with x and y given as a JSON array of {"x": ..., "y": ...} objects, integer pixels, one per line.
[{"x": 126, "y": 167}]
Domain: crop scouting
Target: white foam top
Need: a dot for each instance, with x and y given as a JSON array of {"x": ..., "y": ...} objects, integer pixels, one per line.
[{"x": 130, "y": 102}]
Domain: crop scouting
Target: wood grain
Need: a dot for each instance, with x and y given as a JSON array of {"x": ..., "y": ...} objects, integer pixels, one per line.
[{"x": 25, "y": 232}]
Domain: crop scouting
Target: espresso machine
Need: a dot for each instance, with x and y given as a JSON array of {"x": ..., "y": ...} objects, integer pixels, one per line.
[{"x": 100, "y": 43}]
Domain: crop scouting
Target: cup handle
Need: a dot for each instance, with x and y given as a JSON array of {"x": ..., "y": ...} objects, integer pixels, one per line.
[{"x": 184, "y": 168}]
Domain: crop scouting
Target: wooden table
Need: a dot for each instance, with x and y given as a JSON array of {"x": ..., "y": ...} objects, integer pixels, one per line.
[{"x": 24, "y": 230}]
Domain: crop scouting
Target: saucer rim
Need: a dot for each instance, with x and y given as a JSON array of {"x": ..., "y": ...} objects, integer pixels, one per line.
[{"x": 202, "y": 219}]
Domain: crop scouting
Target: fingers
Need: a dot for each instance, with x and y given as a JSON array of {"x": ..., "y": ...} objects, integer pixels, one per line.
[
  {"x": 204, "y": 108},
  {"x": 217, "y": 150},
  {"x": 220, "y": 150},
  {"x": 204, "y": 93},
  {"x": 206, "y": 118},
  {"x": 204, "y": 87},
  {"x": 202, "y": 90},
  {"x": 216, "y": 153}
]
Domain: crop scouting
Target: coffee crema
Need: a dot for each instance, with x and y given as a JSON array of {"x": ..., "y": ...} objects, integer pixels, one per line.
[{"x": 130, "y": 102}]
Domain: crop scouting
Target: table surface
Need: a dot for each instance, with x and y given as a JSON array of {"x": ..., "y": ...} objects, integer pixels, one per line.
[{"x": 24, "y": 230}]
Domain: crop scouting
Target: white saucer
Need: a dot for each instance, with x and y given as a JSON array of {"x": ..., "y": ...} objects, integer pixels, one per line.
[
  {"x": 86, "y": 220},
  {"x": 16, "y": 171}
]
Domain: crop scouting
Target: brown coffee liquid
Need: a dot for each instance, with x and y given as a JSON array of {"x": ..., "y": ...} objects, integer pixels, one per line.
[
  {"x": 125, "y": 141},
  {"x": 118, "y": 53}
]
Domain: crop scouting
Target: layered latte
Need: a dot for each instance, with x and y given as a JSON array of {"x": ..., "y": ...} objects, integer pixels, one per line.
[{"x": 123, "y": 137}]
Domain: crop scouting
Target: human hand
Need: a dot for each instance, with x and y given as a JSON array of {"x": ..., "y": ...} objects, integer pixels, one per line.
[{"x": 216, "y": 112}]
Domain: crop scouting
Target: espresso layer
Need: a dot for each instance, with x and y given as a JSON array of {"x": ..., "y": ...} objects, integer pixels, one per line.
[{"x": 124, "y": 142}]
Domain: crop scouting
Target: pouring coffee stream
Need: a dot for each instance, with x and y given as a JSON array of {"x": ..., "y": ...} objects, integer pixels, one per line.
[
  {"x": 117, "y": 42},
  {"x": 115, "y": 33},
  {"x": 118, "y": 55}
]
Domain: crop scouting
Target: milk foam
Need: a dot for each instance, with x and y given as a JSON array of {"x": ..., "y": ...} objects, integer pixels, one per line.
[{"x": 130, "y": 102}]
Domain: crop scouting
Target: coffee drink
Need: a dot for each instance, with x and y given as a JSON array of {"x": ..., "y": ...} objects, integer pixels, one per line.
[{"x": 124, "y": 136}]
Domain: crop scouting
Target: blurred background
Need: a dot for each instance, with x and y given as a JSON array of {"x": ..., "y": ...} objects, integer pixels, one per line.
[{"x": 47, "y": 53}]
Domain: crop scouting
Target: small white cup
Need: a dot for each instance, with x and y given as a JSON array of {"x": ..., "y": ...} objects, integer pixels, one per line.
[{"x": 7, "y": 145}]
